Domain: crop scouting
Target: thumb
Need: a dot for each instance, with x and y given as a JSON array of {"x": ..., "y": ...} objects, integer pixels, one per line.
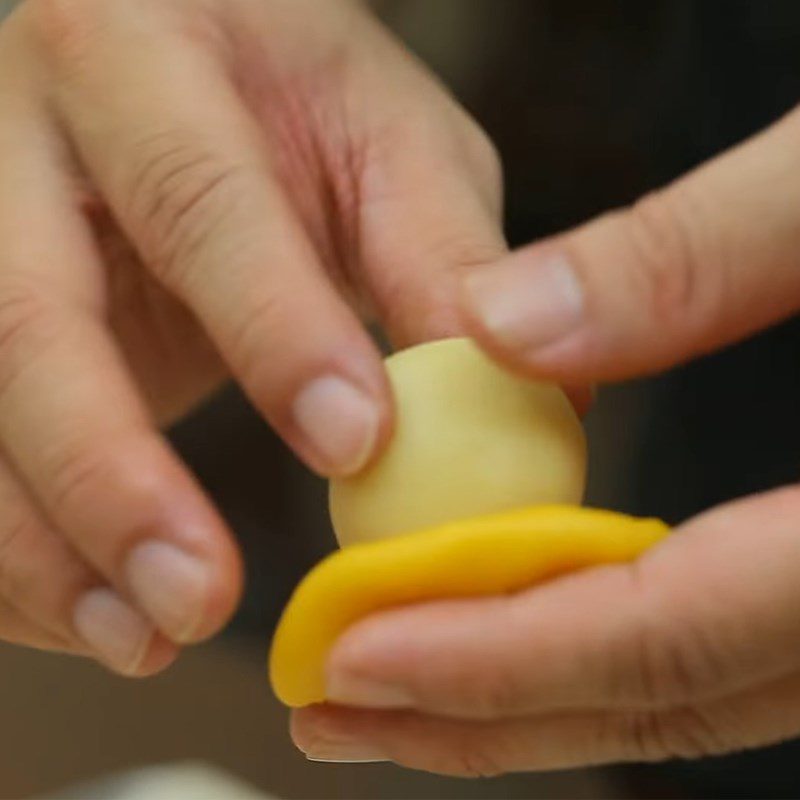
[{"x": 696, "y": 265}]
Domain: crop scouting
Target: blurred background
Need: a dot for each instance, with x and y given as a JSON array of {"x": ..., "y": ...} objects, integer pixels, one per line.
[{"x": 592, "y": 103}]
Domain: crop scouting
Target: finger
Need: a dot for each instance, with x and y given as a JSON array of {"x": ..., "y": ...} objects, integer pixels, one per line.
[
  {"x": 71, "y": 420},
  {"x": 758, "y": 717},
  {"x": 689, "y": 268},
  {"x": 45, "y": 581},
  {"x": 418, "y": 236},
  {"x": 17, "y": 629},
  {"x": 107, "y": 479},
  {"x": 189, "y": 179},
  {"x": 458, "y": 748},
  {"x": 431, "y": 202},
  {"x": 705, "y": 614}
]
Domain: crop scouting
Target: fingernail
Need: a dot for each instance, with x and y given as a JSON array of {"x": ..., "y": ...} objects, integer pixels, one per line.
[
  {"x": 527, "y": 303},
  {"x": 344, "y": 753},
  {"x": 118, "y": 634},
  {"x": 361, "y": 693},
  {"x": 340, "y": 422},
  {"x": 347, "y": 760},
  {"x": 171, "y": 586}
]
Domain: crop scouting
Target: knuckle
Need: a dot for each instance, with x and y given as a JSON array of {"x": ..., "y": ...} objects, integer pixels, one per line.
[
  {"x": 399, "y": 298},
  {"x": 688, "y": 733},
  {"x": 20, "y": 310},
  {"x": 660, "y": 671},
  {"x": 470, "y": 758},
  {"x": 180, "y": 194},
  {"x": 691, "y": 665},
  {"x": 265, "y": 320},
  {"x": 467, "y": 683},
  {"x": 638, "y": 734},
  {"x": 73, "y": 472},
  {"x": 27, "y": 325},
  {"x": 463, "y": 251},
  {"x": 674, "y": 660},
  {"x": 670, "y": 259},
  {"x": 692, "y": 732},
  {"x": 488, "y": 693},
  {"x": 80, "y": 473}
]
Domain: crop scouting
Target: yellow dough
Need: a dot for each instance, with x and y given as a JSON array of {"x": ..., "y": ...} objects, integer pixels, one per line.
[
  {"x": 470, "y": 439},
  {"x": 484, "y": 556},
  {"x": 475, "y": 495}
]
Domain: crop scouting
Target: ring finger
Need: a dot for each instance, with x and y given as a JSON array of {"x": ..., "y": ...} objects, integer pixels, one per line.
[{"x": 59, "y": 602}]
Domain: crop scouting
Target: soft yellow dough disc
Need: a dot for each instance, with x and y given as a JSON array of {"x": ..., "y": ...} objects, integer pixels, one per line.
[{"x": 471, "y": 439}]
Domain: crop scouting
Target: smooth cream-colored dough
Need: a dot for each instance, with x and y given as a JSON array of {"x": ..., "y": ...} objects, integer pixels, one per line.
[{"x": 470, "y": 439}]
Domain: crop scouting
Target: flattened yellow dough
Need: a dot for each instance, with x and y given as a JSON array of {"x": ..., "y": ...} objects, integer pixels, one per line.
[{"x": 494, "y": 554}]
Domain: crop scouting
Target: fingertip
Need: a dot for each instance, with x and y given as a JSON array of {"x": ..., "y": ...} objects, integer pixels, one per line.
[
  {"x": 531, "y": 300},
  {"x": 226, "y": 588},
  {"x": 325, "y": 721},
  {"x": 160, "y": 655},
  {"x": 360, "y": 648},
  {"x": 335, "y": 410},
  {"x": 184, "y": 569},
  {"x": 321, "y": 733},
  {"x": 188, "y": 596},
  {"x": 114, "y": 631},
  {"x": 302, "y": 722},
  {"x": 378, "y": 662},
  {"x": 556, "y": 362},
  {"x": 340, "y": 427}
]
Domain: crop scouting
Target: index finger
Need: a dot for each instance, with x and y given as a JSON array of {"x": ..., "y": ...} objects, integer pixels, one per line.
[{"x": 190, "y": 178}]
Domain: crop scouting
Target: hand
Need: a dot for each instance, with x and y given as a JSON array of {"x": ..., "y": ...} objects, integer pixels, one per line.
[
  {"x": 695, "y": 649},
  {"x": 195, "y": 189}
]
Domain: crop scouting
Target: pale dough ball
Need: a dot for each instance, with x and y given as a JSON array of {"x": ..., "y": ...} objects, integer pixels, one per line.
[{"x": 470, "y": 439}]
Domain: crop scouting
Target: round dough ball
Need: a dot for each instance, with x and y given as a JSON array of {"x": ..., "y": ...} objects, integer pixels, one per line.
[{"x": 470, "y": 439}]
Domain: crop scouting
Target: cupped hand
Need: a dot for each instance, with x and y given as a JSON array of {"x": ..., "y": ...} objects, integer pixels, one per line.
[
  {"x": 694, "y": 649},
  {"x": 197, "y": 189}
]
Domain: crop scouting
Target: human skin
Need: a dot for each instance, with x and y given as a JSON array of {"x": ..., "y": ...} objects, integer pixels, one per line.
[
  {"x": 692, "y": 650},
  {"x": 195, "y": 191}
]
